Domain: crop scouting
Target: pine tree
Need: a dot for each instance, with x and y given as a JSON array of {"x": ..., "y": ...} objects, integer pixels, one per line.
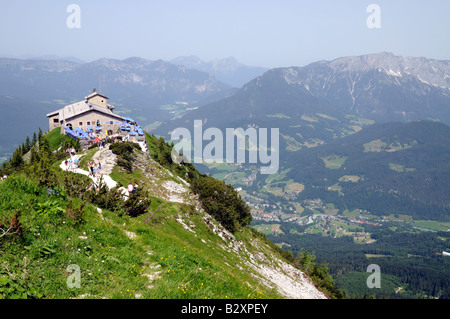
[
  {"x": 27, "y": 144},
  {"x": 17, "y": 159},
  {"x": 43, "y": 168},
  {"x": 40, "y": 134},
  {"x": 34, "y": 158}
]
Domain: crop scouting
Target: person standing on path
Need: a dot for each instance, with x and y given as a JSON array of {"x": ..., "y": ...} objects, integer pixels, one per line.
[
  {"x": 130, "y": 188},
  {"x": 91, "y": 169}
]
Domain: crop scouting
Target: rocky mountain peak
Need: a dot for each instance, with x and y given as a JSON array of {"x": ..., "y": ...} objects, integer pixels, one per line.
[{"x": 428, "y": 71}]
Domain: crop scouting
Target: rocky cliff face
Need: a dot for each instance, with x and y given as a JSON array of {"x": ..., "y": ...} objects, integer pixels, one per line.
[{"x": 381, "y": 86}]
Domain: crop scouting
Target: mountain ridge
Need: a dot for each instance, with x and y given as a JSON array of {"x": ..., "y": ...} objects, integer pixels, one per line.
[
  {"x": 335, "y": 88},
  {"x": 138, "y": 246},
  {"x": 228, "y": 70}
]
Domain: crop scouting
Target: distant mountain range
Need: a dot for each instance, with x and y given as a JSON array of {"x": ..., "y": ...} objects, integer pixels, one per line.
[
  {"x": 311, "y": 105},
  {"x": 228, "y": 70},
  {"x": 381, "y": 87},
  {"x": 151, "y": 91},
  {"x": 150, "y": 82}
]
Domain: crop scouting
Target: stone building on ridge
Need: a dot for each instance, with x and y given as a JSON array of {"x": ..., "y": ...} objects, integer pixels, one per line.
[{"x": 93, "y": 111}]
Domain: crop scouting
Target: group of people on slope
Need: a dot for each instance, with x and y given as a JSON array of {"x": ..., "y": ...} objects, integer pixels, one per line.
[
  {"x": 94, "y": 168},
  {"x": 102, "y": 144},
  {"x": 71, "y": 163}
]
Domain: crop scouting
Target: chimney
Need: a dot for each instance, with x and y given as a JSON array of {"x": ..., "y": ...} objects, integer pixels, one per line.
[{"x": 94, "y": 90}]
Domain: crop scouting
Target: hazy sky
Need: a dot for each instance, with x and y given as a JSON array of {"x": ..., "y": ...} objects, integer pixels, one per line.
[{"x": 256, "y": 32}]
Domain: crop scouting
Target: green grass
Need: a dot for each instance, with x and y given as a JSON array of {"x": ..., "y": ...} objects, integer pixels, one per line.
[
  {"x": 350, "y": 178},
  {"x": 292, "y": 145},
  {"x": 379, "y": 146},
  {"x": 336, "y": 188},
  {"x": 123, "y": 179},
  {"x": 52, "y": 241},
  {"x": 400, "y": 168},
  {"x": 185, "y": 264},
  {"x": 375, "y": 146},
  {"x": 309, "y": 118},
  {"x": 55, "y": 138},
  {"x": 279, "y": 115},
  {"x": 270, "y": 228},
  {"x": 334, "y": 161},
  {"x": 327, "y": 117},
  {"x": 433, "y": 225}
]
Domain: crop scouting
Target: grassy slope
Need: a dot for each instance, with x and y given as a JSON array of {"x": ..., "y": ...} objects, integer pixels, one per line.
[{"x": 119, "y": 256}]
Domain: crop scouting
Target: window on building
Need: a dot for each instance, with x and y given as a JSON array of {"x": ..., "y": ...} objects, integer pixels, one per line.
[
  {"x": 55, "y": 120},
  {"x": 88, "y": 123},
  {"x": 80, "y": 123}
]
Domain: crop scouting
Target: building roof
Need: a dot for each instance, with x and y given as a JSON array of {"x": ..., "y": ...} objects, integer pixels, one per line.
[
  {"x": 75, "y": 109},
  {"x": 95, "y": 93}
]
